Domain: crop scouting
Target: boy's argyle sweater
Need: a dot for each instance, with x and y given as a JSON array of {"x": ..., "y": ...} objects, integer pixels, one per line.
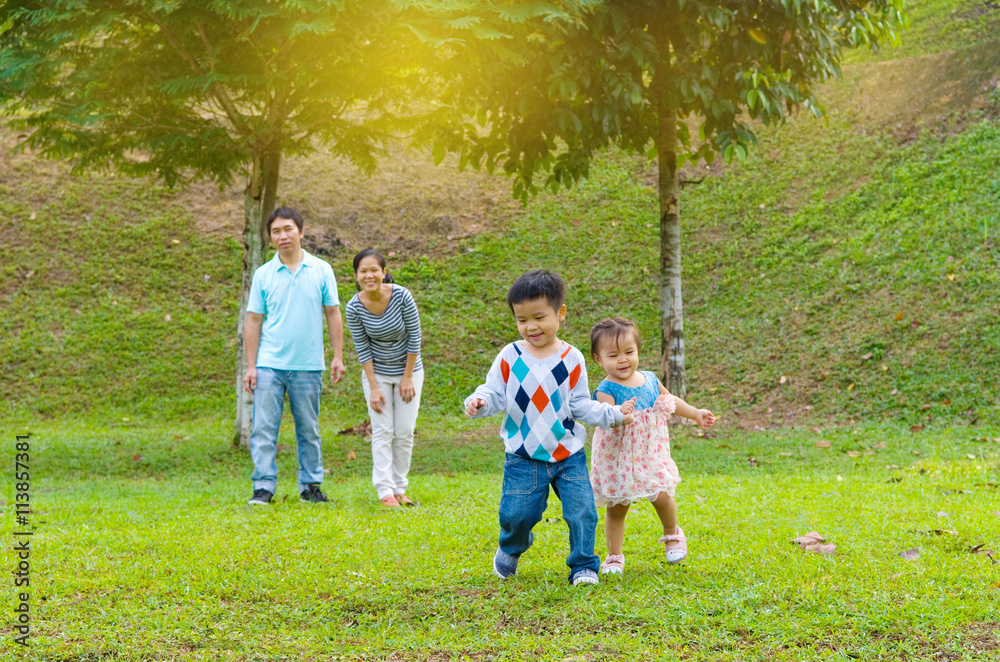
[{"x": 543, "y": 399}]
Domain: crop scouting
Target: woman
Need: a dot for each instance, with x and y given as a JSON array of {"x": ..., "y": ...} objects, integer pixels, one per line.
[{"x": 385, "y": 325}]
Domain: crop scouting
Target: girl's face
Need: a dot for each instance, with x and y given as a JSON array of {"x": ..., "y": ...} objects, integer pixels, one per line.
[
  {"x": 369, "y": 274},
  {"x": 619, "y": 356}
]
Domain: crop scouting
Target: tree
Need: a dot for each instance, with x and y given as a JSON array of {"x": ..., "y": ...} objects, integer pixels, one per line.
[
  {"x": 182, "y": 89},
  {"x": 631, "y": 72}
]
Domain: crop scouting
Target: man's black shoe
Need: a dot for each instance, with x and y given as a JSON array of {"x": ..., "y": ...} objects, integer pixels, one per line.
[
  {"x": 313, "y": 495},
  {"x": 260, "y": 498}
]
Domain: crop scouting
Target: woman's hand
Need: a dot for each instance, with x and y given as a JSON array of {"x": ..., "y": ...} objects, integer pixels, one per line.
[
  {"x": 406, "y": 388},
  {"x": 704, "y": 418},
  {"x": 377, "y": 400}
]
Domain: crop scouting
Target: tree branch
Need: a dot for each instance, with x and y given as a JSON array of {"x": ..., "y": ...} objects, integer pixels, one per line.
[{"x": 217, "y": 90}]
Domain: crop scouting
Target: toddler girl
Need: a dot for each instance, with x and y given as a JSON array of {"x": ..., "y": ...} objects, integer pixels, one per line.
[{"x": 632, "y": 462}]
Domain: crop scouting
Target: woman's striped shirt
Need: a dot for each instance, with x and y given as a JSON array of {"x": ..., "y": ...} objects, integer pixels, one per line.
[{"x": 386, "y": 339}]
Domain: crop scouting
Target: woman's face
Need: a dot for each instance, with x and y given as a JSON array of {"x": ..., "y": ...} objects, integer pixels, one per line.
[{"x": 369, "y": 274}]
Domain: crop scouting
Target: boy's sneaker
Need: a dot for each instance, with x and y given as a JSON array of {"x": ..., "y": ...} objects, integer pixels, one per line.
[
  {"x": 586, "y": 576},
  {"x": 260, "y": 498},
  {"x": 504, "y": 565},
  {"x": 312, "y": 494}
]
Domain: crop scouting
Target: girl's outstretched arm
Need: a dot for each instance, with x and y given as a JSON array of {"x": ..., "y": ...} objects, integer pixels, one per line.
[{"x": 703, "y": 417}]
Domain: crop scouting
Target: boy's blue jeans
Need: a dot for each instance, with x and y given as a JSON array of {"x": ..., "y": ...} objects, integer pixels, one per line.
[
  {"x": 525, "y": 494},
  {"x": 303, "y": 388}
]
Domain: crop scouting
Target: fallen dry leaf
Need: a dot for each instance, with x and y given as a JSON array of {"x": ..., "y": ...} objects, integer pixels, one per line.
[
  {"x": 823, "y": 443},
  {"x": 362, "y": 428},
  {"x": 941, "y": 513},
  {"x": 936, "y": 532},
  {"x": 136, "y": 457},
  {"x": 880, "y": 444},
  {"x": 699, "y": 499},
  {"x": 916, "y": 428},
  {"x": 784, "y": 454},
  {"x": 814, "y": 542},
  {"x": 811, "y": 538},
  {"x": 981, "y": 549},
  {"x": 853, "y": 454},
  {"x": 866, "y": 356},
  {"x": 898, "y": 317},
  {"x": 783, "y": 379},
  {"x": 351, "y": 455},
  {"x": 910, "y": 554}
]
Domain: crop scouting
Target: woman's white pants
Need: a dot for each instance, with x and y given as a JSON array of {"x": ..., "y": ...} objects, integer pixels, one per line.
[{"x": 392, "y": 433}]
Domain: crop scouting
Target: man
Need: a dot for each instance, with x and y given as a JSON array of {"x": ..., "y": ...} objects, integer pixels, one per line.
[{"x": 289, "y": 297}]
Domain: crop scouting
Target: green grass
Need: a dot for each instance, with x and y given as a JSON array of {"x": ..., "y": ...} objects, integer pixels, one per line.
[
  {"x": 159, "y": 558},
  {"x": 935, "y": 26}
]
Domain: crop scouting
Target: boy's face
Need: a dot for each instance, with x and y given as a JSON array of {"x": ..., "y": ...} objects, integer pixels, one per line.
[{"x": 538, "y": 322}]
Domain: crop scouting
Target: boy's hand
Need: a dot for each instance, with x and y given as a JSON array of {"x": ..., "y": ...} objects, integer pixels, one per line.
[
  {"x": 704, "y": 418},
  {"x": 474, "y": 405},
  {"x": 628, "y": 419}
]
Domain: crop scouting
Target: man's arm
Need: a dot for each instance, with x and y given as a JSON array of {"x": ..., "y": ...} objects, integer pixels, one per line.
[
  {"x": 336, "y": 325},
  {"x": 251, "y": 342}
]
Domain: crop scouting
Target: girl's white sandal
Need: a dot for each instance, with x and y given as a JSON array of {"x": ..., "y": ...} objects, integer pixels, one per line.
[
  {"x": 613, "y": 565},
  {"x": 678, "y": 552}
]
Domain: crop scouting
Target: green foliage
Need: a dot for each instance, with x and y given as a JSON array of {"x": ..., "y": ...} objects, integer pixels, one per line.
[
  {"x": 618, "y": 70},
  {"x": 188, "y": 90}
]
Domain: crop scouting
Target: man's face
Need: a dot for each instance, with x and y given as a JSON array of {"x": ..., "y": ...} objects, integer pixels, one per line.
[{"x": 286, "y": 236}]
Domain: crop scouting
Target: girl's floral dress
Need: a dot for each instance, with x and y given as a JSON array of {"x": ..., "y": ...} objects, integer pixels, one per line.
[{"x": 632, "y": 462}]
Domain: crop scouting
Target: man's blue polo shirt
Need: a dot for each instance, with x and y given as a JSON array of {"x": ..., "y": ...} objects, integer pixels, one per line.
[{"x": 292, "y": 304}]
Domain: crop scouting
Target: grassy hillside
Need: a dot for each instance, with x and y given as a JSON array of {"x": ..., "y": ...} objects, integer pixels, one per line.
[{"x": 846, "y": 271}]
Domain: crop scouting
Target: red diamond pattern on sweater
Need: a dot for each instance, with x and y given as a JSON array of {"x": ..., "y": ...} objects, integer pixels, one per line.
[
  {"x": 574, "y": 376},
  {"x": 540, "y": 399},
  {"x": 560, "y": 453},
  {"x": 504, "y": 370}
]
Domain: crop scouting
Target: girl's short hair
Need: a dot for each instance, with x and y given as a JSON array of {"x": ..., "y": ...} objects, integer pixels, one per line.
[
  {"x": 612, "y": 329},
  {"x": 371, "y": 252}
]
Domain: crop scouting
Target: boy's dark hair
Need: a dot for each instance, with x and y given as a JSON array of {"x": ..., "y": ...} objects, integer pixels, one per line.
[
  {"x": 370, "y": 252},
  {"x": 613, "y": 329},
  {"x": 285, "y": 212},
  {"x": 535, "y": 285}
]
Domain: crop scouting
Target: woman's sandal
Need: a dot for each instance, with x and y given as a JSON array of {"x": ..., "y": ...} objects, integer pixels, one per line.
[
  {"x": 678, "y": 552},
  {"x": 404, "y": 500},
  {"x": 389, "y": 501},
  {"x": 613, "y": 565}
]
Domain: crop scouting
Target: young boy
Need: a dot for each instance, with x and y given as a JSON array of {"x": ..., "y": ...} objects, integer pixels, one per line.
[{"x": 541, "y": 385}]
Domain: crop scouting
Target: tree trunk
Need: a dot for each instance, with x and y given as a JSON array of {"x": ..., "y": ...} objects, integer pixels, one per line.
[
  {"x": 258, "y": 202},
  {"x": 671, "y": 309}
]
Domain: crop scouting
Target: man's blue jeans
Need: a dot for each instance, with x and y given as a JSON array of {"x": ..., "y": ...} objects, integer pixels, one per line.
[
  {"x": 525, "y": 495},
  {"x": 303, "y": 388}
]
